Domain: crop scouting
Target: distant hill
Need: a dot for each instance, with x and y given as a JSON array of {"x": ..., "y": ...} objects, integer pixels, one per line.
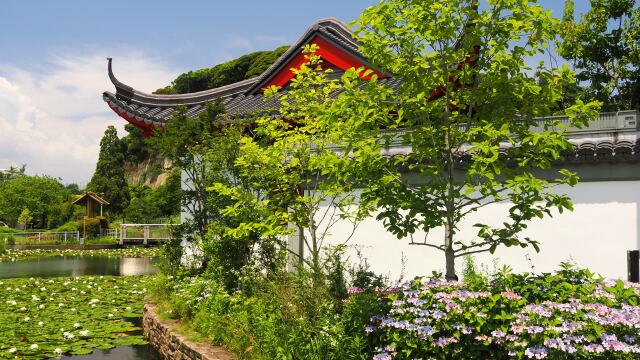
[{"x": 242, "y": 68}]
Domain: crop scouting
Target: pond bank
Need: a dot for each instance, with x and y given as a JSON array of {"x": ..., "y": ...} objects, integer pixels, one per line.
[{"x": 162, "y": 336}]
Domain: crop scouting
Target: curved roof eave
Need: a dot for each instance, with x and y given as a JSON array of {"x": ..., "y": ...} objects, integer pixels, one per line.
[{"x": 141, "y": 98}]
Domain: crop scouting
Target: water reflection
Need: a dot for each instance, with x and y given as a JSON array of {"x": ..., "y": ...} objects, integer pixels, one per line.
[
  {"x": 145, "y": 352},
  {"x": 77, "y": 266}
]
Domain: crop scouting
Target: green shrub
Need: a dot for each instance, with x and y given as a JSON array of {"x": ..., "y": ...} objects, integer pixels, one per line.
[
  {"x": 68, "y": 227},
  {"x": 7, "y": 230},
  {"x": 89, "y": 227},
  {"x": 9, "y": 239},
  {"x": 291, "y": 317},
  {"x": 3, "y": 247}
]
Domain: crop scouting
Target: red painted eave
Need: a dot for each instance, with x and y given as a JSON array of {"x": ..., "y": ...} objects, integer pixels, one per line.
[{"x": 329, "y": 53}]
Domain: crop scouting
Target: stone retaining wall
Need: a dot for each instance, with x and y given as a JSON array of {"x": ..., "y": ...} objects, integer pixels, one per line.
[{"x": 171, "y": 345}]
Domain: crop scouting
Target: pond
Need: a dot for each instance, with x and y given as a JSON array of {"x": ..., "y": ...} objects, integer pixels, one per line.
[{"x": 75, "y": 266}]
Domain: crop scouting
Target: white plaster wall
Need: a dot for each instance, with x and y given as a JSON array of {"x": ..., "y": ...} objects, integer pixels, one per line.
[{"x": 596, "y": 235}]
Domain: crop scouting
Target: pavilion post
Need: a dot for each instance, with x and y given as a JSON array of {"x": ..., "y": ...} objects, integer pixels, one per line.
[
  {"x": 145, "y": 234},
  {"x": 633, "y": 265},
  {"x": 122, "y": 232}
]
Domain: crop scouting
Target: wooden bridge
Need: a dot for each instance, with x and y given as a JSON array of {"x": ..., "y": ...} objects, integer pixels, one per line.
[{"x": 145, "y": 234}]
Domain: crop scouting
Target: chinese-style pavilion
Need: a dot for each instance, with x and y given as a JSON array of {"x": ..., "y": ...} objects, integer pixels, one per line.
[
  {"x": 604, "y": 225},
  {"x": 337, "y": 48}
]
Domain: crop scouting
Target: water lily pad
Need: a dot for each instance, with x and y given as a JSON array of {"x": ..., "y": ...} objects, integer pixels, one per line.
[{"x": 44, "y": 318}]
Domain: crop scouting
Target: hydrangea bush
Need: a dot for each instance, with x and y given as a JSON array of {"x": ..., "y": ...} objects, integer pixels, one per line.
[{"x": 568, "y": 315}]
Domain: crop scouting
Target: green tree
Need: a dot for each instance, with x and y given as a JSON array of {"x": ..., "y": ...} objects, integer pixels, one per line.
[
  {"x": 300, "y": 184},
  {"x": 148, "y": 205},
  {"x": 12, "y": 172},
  {"x": 466, "y": 116},
  {"x": 108, "y": 179},
  {"x": 135, "y": 149},
  {"x": 604, "y": 47},
  {"x": 184, "y": 141},
  {"x": 242, "y": 68},
  {"x": 25, "y": 218},
  {"x": 40, "y": 194}
]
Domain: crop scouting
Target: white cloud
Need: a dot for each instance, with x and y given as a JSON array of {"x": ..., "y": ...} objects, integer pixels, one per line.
[{"x": 52, "y": 120}]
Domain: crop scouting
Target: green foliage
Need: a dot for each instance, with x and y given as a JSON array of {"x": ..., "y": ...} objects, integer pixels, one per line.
[
  {"x": 473, "y": 278},
  {"x": 89, "y": 227},
  {"x": 62, "y": 213},
  {"x": 297, "y": 181},
  {"x": 108, "y": 179},
  {"x": 135, "y": 149},
  {"x": 42, "y": 195},
  {"x": 12, "y": 173},
  {"x": 184, "y": 142},
  {"x": 148, "y": 205},
  {"x": 292, "y": 317},
  {"x": 68, "y": 226},
  {"x": 89, "y": 313},
  {"x": 3, "y": 245},
  {"x": 245, "y": 67},
  {"x": 604, "y": 47},
  {"x": 466, "y": 107},
  {"x": 9, "y": 239},
  {"x": 25, "y": 218}
]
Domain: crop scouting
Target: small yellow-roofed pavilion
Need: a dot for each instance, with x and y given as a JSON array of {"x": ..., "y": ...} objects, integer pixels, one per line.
[{"x": 91, "y": 201}]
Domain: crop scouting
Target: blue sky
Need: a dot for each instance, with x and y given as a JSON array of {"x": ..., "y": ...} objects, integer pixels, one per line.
[{"x": 53, "y": 67}]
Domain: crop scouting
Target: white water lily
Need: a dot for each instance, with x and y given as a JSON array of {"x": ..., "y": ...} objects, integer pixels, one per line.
[
  {"x": 43, "y": 289},
  {"x": 76, "y": 325},
  {"x": 94, "y": 301},
  {"x": 12, "y": 350},
  {"x": 41, "y": 306},
  {"x": 58, "y": 351},
  {"x": 110, "y": 316},
  {"x": 23, "y": 309},
  {"x": 26, "y": 318},
  {"x": 60, "y": 305},
  {"x": 84, "y": 333},
  {"x": 12, "y": 302},
  {"x": 68, "y": 335},
  {"x": 33, "y": 346},
  {"x": 40, "y": 323}
]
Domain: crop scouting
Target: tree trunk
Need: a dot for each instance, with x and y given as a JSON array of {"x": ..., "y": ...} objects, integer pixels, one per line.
[{"x": 450, "y": 256}]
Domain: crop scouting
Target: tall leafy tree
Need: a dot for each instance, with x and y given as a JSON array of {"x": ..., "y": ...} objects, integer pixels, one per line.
[
  {"x": 25, "y": 218},
  {"x": 40, "y": 194},
  {"x": 108, "y": 179},
  {"x": 299, "y": 184},
  {"x": 465, "y": 117},
  {"x": 604, "y": 47},
  {"x": 12, "y": 173},
  {"x": 184, "y": 141}
]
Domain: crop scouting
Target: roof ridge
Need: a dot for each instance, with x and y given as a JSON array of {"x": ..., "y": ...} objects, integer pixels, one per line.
[{"x": 318, "y": 26}]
